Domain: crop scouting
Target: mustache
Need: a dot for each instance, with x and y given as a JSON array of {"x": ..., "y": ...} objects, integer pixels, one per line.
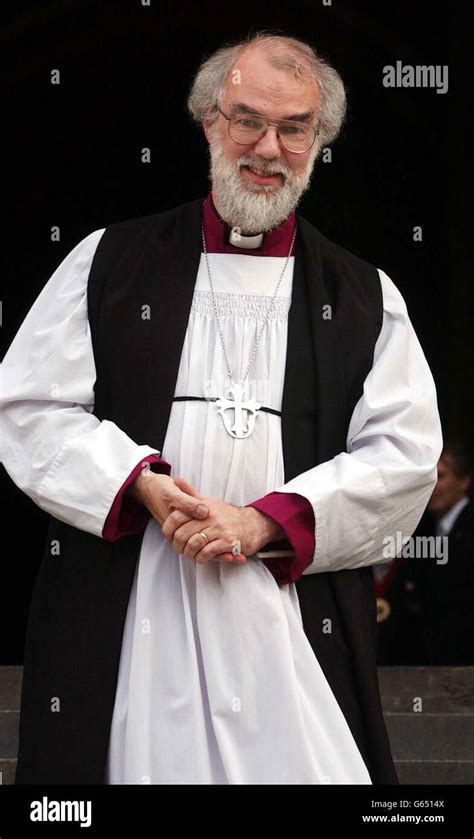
[{"x": 264, "y": 167}]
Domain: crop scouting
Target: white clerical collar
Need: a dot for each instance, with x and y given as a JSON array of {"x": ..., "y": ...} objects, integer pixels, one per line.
[{"x": 239, "y": 241}]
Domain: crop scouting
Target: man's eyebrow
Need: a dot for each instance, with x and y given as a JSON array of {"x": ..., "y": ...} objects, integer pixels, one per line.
[{"x": 241, "y": 106}]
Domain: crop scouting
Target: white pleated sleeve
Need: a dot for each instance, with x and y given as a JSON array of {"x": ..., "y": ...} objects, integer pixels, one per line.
[
  {"x": 64, "y": 458},
  {"x": 383, "y": 481}
]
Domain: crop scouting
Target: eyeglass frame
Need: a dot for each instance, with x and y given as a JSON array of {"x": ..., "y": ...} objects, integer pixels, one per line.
[{"x": 276, "y": 124}]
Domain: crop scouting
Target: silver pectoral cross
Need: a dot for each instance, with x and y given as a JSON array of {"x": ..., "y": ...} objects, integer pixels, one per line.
[{"x": 243, "y": 425}]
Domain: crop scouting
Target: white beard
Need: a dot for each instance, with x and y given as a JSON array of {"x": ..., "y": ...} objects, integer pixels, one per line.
[{"x": 252, "y": 207}]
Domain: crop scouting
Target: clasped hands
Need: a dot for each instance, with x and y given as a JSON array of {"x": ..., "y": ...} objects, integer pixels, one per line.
[
  {"x": 184, "y": 514},
  {"x": 224, "y": 525}
]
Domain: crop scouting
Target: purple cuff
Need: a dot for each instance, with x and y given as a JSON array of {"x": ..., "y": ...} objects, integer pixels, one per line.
[
  {"x": 295, "y": 515},
  {"x": 127, "y": 517}
]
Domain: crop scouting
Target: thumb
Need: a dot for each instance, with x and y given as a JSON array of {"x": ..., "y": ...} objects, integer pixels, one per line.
[
  {"x": 186, "y": 487},
  {"x": 200, "y": 510}
]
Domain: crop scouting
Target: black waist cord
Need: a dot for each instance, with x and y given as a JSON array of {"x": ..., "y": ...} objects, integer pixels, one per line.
[{"x": 214, "y": 399}]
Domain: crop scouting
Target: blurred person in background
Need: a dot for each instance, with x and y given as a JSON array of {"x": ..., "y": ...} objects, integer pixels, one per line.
[{"x": 425, "y": 607}]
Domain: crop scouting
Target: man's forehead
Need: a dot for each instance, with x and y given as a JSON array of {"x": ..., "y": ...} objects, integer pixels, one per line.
[
  {"x": 297, "y": 105},
  {"x": 243, "y": 107}
]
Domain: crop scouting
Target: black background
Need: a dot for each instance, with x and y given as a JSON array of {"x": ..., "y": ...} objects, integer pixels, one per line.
[{"x": 74, "y": 160}]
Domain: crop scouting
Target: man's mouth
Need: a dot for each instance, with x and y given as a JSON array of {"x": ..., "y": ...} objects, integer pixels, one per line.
[{"x": 255, "y": 175}]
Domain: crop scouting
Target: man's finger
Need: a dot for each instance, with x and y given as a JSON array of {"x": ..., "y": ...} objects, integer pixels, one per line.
[
  {"x": 201, "y": 511},
  {"x": 183, "y": 484},
  {"x": 186, "y": 504},
  {"x": 171, "y": 524},
  {"x": 218, "y": 549},
  {"x": 238, "y": 559}
]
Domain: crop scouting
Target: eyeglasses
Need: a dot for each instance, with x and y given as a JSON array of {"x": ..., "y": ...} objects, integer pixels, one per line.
[{"x": 246, "y": 128}]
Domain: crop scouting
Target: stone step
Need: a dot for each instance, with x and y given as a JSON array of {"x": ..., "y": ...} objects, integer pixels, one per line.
[
  {"x": 10, "y": 693},
  {"x": 9, "y": 734},
  {"x": 435, "y": 772},
  {"x": 430, "y": 746},
  {"x": 431, "y": 737},
  {"x": 10, "y": 688},
  {"x": 409, "y": 772},
  {"x": 441, "y": 689},
  {"x": 7, "y": 771}
]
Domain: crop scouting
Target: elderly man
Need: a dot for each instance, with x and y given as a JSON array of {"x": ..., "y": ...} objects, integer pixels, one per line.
[{"x": 224, "y": 413}]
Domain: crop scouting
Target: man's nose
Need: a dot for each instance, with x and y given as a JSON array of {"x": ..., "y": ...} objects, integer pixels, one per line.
[{"x": 268, "y": 145}]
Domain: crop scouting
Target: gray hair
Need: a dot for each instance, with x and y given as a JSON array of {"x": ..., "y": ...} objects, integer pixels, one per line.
[{"x": 282, "y": 52}]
